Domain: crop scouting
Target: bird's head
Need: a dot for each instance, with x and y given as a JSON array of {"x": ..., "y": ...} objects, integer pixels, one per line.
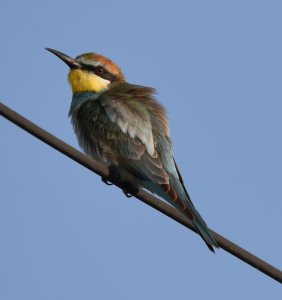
[{"x": 90, "y": 72}]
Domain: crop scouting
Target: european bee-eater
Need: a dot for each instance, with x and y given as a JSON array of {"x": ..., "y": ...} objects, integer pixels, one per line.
[{"x": 122, "y": 126}]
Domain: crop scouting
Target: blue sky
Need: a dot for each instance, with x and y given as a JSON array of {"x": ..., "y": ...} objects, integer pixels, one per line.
[{"x": 217, "y": 68}]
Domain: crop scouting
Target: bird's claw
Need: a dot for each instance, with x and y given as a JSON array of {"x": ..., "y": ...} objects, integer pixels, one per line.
[
  {"x": 129, "y": 190},
  {"x": 128, "y": 195},
  {"x": 107, "y": 182}
]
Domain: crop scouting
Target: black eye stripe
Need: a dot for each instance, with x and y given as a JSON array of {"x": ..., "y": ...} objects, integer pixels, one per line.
[
  {"x": 100, "y": 71},
  {"x": 96, "y": 70}
]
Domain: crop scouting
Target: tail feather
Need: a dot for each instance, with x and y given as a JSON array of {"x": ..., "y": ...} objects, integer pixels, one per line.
[
  {"x": 197, "y": 220},
  {"x": 174, "y": 198},
  {"x": 204, "y": 231}
]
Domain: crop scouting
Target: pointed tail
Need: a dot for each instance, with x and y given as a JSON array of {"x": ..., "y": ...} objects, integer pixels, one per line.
[
  {"x": 185, "y": 204},
  {"x": 169, "y": 194},
  {"x": 204, "y": 231}
]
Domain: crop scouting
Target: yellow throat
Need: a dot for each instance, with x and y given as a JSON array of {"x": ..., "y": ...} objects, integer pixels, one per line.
[{"x": 82, "y": 81}]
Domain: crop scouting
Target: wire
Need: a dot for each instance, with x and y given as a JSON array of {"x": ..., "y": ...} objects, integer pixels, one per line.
[{"x": 142, "y": 195}]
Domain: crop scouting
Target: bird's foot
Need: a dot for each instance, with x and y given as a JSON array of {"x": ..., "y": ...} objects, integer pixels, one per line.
[
  {"x": 106, "y": 181},
  {"x": 128, "y": 195},
  {"x": 129, "y": 189},
  {"x": 112, "y": 178}
]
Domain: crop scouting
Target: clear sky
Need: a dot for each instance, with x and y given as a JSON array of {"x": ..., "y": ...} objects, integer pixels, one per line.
[{"x": 217, "y": 68}]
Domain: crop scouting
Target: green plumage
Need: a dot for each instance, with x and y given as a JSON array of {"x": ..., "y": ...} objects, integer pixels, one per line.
[{"x": 126, "y": 129}]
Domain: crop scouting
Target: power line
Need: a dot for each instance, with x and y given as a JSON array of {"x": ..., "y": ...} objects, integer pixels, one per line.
[{"x": 142, "y": 195}]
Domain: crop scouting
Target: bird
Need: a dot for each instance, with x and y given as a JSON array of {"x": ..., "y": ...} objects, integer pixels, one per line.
[{"x": 125, "y": 128}]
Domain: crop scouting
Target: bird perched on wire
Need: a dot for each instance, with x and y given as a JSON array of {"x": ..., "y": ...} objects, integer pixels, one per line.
[{"x": 122, "y": 126}]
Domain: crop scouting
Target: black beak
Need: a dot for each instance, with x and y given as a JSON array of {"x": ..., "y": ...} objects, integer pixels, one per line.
[{"x": 72, "y": 63}]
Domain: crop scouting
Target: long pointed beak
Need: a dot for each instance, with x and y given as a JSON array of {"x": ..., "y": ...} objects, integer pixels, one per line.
[{"x": 72, "y": 63}]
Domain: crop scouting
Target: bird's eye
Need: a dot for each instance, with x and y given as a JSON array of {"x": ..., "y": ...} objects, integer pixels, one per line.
[{"x": 99, "y": 70}]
